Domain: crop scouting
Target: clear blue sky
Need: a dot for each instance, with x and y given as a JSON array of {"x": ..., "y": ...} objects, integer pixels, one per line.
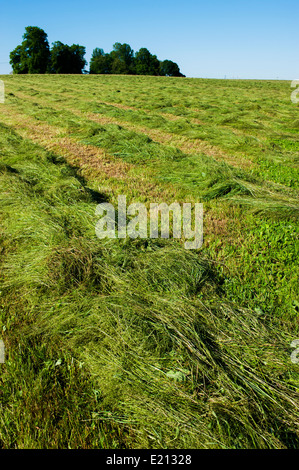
[{"x": 210, "y": 39}]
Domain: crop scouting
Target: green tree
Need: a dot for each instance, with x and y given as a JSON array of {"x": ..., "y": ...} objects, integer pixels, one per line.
[
  {"x": 170, "y": 69},
  {"x": 33, "y": 55},
  {"x": 146, "y": 63},
  {"x": 77, "y": 54},
  {"x": 123, "y": 59},
  {"x": 100, "y": 62},
  {"x": 18, "y": 60},
  {"x": 67, "y": 59}
]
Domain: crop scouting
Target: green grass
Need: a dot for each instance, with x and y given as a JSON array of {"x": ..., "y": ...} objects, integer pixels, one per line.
[
  {"x": 243, "y": 117},
  {"x": 141, "y": 343}
]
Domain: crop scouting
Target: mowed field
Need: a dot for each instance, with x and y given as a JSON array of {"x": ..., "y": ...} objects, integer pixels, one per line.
[{"x": 123, "y": 343}]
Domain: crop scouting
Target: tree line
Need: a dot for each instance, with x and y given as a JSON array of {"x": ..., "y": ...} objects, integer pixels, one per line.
[{"x": 34, "y": 55}]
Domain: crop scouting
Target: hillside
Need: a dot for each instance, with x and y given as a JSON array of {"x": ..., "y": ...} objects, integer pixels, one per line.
[{"x": 123, "y": 343}]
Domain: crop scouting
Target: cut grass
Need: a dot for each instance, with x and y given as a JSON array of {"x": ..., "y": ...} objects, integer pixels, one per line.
[
  {"x": 193, "y": 173},
  {"x": 217, "y": 104},
  {"x": 140, "y": 343}
]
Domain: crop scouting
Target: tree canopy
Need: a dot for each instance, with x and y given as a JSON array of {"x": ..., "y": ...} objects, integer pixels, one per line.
[
  {"x": 34, "y": 55},
  {"x": 169, "y": 69},
  {"x": 146, "y": 63},
  {"x": 100, "y": 62},
  {"x": 67, "y": 59},
  {"x": 123, "y": 60}
]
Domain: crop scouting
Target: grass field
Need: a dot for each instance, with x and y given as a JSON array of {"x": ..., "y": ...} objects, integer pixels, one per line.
[{"x": 122, "y": 343}]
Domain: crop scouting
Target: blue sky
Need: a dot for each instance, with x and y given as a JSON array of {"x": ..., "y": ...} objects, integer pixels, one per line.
[{"x": 215, "y": 39}]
